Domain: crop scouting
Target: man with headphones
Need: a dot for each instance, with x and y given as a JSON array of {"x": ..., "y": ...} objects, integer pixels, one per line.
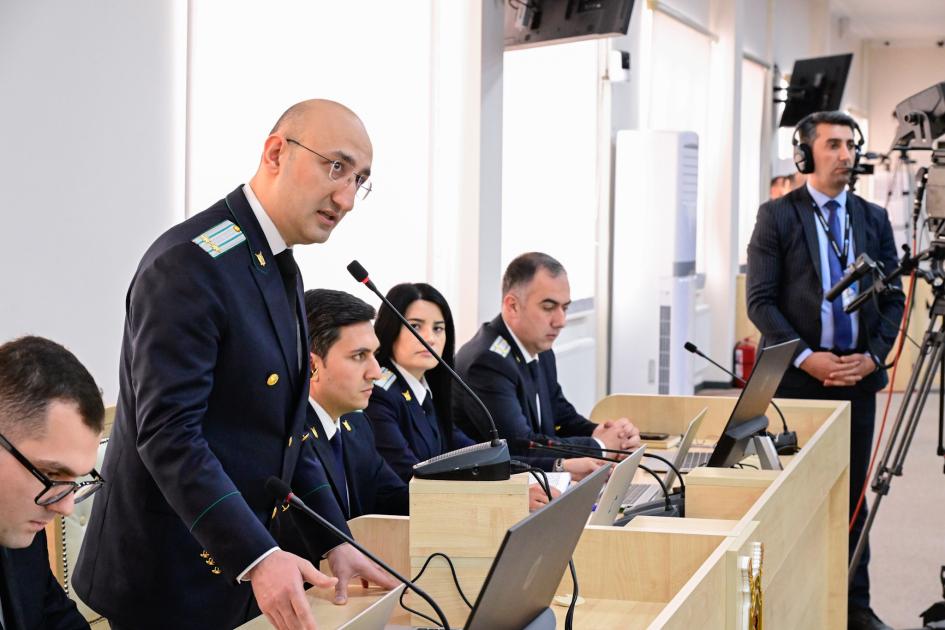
[{"x": 800, "y": 247}]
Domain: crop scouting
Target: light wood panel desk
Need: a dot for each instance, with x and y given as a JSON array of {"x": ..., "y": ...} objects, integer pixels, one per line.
[{"x": 657, "y": 573}]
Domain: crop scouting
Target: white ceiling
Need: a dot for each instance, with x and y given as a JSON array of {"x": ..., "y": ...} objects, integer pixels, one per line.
[{"x": 894, "y": 19}]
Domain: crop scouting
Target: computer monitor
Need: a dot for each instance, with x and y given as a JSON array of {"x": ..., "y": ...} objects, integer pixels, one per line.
[
  {"x": 816, "y": 86},
  {"x": 539, "y": 22},
  {"x": 531, "y": 561},
  {"x": 748, "y": 417}
]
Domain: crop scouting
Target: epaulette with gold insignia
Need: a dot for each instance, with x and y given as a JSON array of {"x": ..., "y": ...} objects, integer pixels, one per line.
[
  {"x": 221, "y": 238},
  {"x": 500, "y": 346},
  {"x": 386, "y": 380}
]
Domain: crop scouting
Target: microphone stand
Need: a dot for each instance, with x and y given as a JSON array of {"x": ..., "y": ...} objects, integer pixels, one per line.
[
  {"x": 283, "y": 492},
  {"x": 488, "y": 461}
]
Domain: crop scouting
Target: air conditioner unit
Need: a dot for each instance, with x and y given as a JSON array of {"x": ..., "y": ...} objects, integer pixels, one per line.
[{"x": 654, "y": 262}]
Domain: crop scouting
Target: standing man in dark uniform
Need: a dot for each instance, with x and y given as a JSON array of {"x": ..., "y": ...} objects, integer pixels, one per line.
[
  {"x": 511, "y": 367},
  {"x": 213, "y": 387},
  {"x": 800, "y": 246},
  {"x": 51, "y": 418}
]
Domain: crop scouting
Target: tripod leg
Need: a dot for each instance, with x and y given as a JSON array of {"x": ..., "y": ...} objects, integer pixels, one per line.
[{"x": 930, "y": 356}]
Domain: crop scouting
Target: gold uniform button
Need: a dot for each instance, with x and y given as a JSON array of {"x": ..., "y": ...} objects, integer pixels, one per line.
[
  {"x": 272, "y": 380},
  {"x": 290, "y": 441},
  {"x": 216, "y": 571},
  {"x": 204, "y": 554}
]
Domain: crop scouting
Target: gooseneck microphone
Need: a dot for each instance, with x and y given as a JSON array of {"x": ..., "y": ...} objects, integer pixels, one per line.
[
  {"x": 859, "y": 269},
  {"x": 488, "y": 461},
  {"x": 281, "y": 491},
  {"x": 786, "y": 443}
]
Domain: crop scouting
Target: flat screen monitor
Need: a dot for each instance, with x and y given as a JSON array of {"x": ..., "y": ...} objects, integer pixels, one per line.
[
  {"x": 816, "y": 86},
  {"x": 748, "y": 417},
  {"x": 539, "y": 22}
]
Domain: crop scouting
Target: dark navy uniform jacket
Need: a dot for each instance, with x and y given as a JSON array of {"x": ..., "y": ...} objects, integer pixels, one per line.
[
  {"x": 32, "y": 598},
  {"x": 494, "y": 367},
  {"x": 211, "y": 393},
  {"x": 372, "y": 487},
  {"x": 403, "y": 432}
]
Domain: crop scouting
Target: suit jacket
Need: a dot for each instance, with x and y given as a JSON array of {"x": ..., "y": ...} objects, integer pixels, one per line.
[
  {"x": 211, "y": 391},
  {"x": 403, "y": 433},
  {"x": 494, "y": 367},
  {"x": 372, "y": 486},
  {"x": 32, "y": 598},
  {"x": 785, "y": 291}
]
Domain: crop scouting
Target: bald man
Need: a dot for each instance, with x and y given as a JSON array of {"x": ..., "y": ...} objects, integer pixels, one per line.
[{"x": 213, "y": 385}]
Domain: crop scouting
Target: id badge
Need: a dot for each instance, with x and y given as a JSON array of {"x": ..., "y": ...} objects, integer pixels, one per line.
[{"x": 849, "y": 295}]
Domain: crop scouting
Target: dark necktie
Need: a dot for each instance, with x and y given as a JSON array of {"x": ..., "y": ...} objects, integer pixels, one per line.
[
  {"x": 430, "y": 411},
  {"x": 339, "y": 452},
  {"x": 535, "y": 373},
  {"x": 842, "y": 324},
  {"x": 290, "y": 273}
]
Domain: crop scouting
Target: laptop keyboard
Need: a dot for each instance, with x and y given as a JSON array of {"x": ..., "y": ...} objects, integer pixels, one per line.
[
  {"x": 694, "y": 459},
  {"x": 636, "y": 491}
]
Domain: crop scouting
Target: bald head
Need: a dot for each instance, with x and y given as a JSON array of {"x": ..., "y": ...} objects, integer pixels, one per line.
[
  {"x": 294, "y": 119},
  {"x": 296, "y": 183}
]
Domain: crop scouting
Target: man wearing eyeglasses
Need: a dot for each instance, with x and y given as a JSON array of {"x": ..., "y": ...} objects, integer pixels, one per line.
[
  {"x": 51, "y": 417},
  {"x": 213, "y": 387}
]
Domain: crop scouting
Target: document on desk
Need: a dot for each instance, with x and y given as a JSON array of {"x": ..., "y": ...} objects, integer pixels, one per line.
[{"x": 559, "y": 480}]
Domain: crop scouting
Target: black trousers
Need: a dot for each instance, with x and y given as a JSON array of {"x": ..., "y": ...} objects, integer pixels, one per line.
[{"x": 862, "y": 419}]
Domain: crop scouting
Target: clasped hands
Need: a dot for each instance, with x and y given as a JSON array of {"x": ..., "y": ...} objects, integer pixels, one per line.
[{"x": 834, "y": 371}]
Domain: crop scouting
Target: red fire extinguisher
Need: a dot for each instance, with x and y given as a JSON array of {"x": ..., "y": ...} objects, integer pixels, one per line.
[{"x": 743, "y": 359}]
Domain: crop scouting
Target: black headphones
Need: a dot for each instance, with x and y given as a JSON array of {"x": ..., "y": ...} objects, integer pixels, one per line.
[{"x": 804, "y": 154}]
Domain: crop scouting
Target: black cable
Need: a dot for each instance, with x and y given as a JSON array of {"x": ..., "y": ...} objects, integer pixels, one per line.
[
  {"x": 420, "y": 573},
  {"x": 669, "y": 505},
  {"x": 542, "y": 478}
]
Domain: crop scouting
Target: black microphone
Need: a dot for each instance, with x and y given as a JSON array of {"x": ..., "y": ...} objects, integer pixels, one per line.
[
  {"x": 860, "y": 268},
  {"x": 488, "y": 461},
  {"x": 571, "y": 450},
  {"x": 784, "y": 444},
  {"x": 281, "y": 491}
]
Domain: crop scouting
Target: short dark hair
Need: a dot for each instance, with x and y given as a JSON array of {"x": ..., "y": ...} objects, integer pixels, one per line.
[
  {"x": 327, "y": 312},
  {"x": 35, "y": 372},
  {"x": 521, "y": 270},
  {"x": 807, "y": 127}
]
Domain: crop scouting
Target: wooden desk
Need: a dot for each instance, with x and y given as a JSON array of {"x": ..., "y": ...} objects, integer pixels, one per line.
[{"x": 657, "y": 573}]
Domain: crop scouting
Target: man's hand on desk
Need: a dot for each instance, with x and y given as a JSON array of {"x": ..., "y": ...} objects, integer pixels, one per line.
[
  {"x": 537, "y": 497},
  {"x": 581, "y": 467},
  {"x": 619, "y": 434},
  {"x": 347, "y": 563},
  {"x": 278, "y": 584}
]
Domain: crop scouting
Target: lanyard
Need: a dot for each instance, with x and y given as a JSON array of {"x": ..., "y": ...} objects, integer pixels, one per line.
[{"x": 841, "y": 255}]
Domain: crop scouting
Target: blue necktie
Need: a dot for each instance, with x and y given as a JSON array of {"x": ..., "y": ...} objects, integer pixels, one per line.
[
  {"x": 339, "y": 452},
  {"x": 842, "y": 325}
]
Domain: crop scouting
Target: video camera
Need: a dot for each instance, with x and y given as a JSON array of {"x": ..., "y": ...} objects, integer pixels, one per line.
[{"x": 921, "y": 119}]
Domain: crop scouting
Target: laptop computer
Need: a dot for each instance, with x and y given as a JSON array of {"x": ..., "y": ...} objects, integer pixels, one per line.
[
  {"x": 608, "y": 505},
  {"x": 748, "y": 417},
  {"x": 375, "y": 616},
  {"x": 531, "y": 561},
  {"x": 639, "y": 493}
]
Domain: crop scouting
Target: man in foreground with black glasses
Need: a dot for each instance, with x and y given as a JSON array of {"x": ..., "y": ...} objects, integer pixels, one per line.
[{"x": 51, "y": 418}]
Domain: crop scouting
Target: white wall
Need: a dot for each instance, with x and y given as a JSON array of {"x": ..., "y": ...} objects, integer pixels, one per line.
[
  {"x": 91, "y": 123},
  {"x": 250, "y": 60}
]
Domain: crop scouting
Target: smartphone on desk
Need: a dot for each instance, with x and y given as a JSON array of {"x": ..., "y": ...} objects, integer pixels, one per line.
[{"x": 653, "y": 437}]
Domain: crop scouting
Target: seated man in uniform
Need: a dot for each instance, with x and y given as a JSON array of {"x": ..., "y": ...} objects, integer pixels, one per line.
[
  {"x": 341, "y": 350},
  {"x": 51, "y": 418},
  {"x": 511, "y": 367}
]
